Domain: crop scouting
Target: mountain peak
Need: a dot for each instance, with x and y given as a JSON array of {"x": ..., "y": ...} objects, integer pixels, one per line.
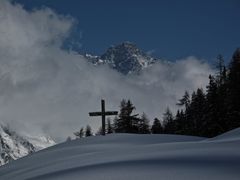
[
  {"x": 126, "y": 58},
  {"x": 126, "y": 47}
]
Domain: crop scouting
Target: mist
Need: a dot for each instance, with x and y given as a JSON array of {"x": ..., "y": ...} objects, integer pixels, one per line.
[{"x": 45, "y": 89}]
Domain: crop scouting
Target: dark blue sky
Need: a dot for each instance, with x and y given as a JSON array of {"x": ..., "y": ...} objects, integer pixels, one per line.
[{"x": 171, "y": 29}]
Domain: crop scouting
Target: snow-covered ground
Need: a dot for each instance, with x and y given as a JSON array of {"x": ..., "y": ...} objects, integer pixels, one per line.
[{"x": 133, "y": 157}]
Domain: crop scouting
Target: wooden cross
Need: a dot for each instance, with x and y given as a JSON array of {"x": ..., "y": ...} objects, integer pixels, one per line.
[{"x": 103, "y": 113}]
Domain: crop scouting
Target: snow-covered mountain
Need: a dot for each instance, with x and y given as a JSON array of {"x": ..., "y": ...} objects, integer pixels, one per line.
[
  {"x": 14, "y": 146},
  {"x": 133, "y": 156},
  {"x": 126, "y": 58},
  {"x": 40, "y": 142}
]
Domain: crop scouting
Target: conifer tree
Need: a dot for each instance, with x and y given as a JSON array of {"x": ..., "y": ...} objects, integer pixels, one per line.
[
  {"x": 119, "y": 123},
  {"x": 185, "y": 101},
  {"x": 221, "y": 105},
  {"x": 180, "y": 123},
  {"x": 221, "y": 69},
  {"x": 126, "y": 123},
  {"x": 68, "y": 139},
  {"x": 143, "y": 125},
  {"x": 197, "y": 112},
  {"x": 88, "y": 131},
  {"x": 168, "y": 122},
  {"x": 80, "y": 133},
  {"x": 157, "y": 127},
  {"x": 214, "y": 122},
  {"x": 233, "y": 91},
  {"x": 185, "y": 118}
]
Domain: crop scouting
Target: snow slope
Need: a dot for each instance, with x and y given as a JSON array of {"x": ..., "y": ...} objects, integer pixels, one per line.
[
  {"x": 228, "y": 136},
  {"x": 14, "y": 146},
  {"x": 131, "y": 157}
]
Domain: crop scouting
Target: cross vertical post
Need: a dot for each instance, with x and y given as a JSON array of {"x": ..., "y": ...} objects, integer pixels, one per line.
[{"x": 103, "y": 117}]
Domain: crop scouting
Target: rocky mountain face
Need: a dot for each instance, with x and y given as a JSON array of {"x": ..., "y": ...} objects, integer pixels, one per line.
[
  {"x": 14, "y": 146},
  {"x": 126, "y": 58}
]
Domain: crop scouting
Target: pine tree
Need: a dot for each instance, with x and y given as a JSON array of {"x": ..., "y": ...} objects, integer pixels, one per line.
[
  {"x": 221, "y": 106},
  {"x": 185, "y": 116},
  {"x": 68, "y": 139},
  {"x": 180, "y": 122},
  {"x": 80, "y": 133},
  {"x": 211, "y": 124},
  {"x": 126, "y": 123},
  {"x": 197, "y": 112},
  {"x": 185, "y": 101},
  {"x": 157, "y": 127},
  {"x": 214, "y": 122},
  {"x": 168, "y": 122},
  {"x": 143, "y": 125},
  {"x": 119, "y": 123},
  {"x": 88, "y": 131},
  {"x": 233, "y": 91},
  {"x": 221, "y": 69}
]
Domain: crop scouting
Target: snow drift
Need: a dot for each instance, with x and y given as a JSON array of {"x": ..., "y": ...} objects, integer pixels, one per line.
[{"x": 127, "y": 156}]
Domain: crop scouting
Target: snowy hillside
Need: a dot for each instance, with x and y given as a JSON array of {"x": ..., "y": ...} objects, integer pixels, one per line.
[
  {"x": 126, "y": 58},
  {"x": 128, "y": 156},
  {"x": 14, "y": 146}
]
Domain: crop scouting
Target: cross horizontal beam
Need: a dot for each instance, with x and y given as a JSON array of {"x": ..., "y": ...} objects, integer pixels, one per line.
[{"x": 107, "y": 113}]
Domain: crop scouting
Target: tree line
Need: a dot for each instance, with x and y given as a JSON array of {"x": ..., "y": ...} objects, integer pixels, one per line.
[
  {"x": 201, "y": 113},
  {"x": 215, "y": 111}
]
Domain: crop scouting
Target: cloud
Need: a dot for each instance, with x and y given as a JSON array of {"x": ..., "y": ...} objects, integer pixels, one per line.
[{"x": 46, "y": 89}]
